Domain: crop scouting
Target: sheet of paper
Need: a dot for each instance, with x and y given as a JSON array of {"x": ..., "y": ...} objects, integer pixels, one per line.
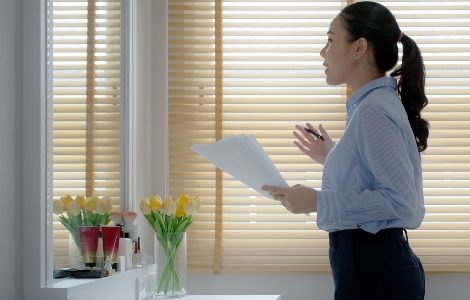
[{"x": 243, "y": 157}]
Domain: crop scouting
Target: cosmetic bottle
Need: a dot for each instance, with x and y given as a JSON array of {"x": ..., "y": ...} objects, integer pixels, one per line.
[
  {"x": 89, "y": 244},
  {"x": 111, "y": 244},
  {"x": 126, "y": 249},
  {"x": 137, "y": 256},
  {"x": 129, "y": 218},
  {"x": 108, "y": 266}
]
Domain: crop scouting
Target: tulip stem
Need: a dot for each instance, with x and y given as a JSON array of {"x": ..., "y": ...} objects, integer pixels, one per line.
[{"x": 170, "y": 243}]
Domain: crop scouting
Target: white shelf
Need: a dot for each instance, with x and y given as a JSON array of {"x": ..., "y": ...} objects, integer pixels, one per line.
[
  {"x": 118, "y": 286},
  {"x": 76, "y": 285},
  {"x": 231, "y": 297}
]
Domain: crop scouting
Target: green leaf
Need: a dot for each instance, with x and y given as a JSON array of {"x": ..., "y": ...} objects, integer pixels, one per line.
[
  {"x": 161, "y": 222},
  {"x": 185, "y": 222}
]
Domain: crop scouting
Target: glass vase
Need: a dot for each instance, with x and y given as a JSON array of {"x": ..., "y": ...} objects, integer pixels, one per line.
[
  {"x": 75, "y": 257},
  {"x": 171, "y": 265}
]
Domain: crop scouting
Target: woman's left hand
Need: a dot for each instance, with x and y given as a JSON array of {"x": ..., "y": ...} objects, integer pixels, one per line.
[{"x": 296, "y": 199}]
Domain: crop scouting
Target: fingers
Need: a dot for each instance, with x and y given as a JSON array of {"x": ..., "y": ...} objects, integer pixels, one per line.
[
  {"x": 316, "y": 134},
  {"x": 306, "y": 138},
  {"x": 302, "y": 148},
  {"x": 276, "y": 192},
  {"x": 274, "y": 189},
  {"x": 286, "y": 206},
  {"x": 302, "y": 141},
  {"x": 323, "y": 131},
  {"x": 309, "y": 126},
  {"x": 280, "y": 198}
]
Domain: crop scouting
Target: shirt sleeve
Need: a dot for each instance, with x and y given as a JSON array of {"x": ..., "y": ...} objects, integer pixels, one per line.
[{"x": 384, "y": 155}]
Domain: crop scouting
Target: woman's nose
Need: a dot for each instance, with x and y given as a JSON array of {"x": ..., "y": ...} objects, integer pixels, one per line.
[{"x": 322, "y": 52}]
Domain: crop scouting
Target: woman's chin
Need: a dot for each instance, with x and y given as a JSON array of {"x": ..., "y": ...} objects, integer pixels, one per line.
[{"x": 331, "y": 81}]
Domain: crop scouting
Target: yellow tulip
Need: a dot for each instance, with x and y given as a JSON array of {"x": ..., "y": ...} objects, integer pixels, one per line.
[
  {"x": 180, "y": 211},
  {"x": 90, "y": 204},
  {"x": 58, "y": 207},
  {"x": 183, "y": 200},
  {"x": 155, "y": 203},
  {"x": 73, "y": 209},
  {"x": 66, "y": 200},
  {"x": 108, "y": 206},
  {"x": 145, "y": 206},
  {"x": 80, "y": 201}
]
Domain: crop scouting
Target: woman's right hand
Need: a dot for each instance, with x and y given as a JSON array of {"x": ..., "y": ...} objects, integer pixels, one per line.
[{"x": 314, "y": 147}]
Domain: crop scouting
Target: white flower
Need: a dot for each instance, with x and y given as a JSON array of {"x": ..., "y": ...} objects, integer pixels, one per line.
[
  {"x": 191, "y": 208},
  {"x": 145, "y": 206},
  {"x": 100, "y": 207},
  {"x": 108, "y": 207},
  {"x": 58, "y": 207},
  {"x": 169, "y": 207},
  {"x": 73, "y": 209},
  {"x": 197, "y": 201}
]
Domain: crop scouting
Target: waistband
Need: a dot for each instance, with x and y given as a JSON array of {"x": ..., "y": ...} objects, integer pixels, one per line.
[{"x": 362, "y": 234}]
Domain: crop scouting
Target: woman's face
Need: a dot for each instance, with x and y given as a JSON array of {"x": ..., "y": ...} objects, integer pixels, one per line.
[{"x": 338, "y": 54}]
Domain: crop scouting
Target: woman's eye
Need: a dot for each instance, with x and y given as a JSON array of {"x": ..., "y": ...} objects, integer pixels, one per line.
[{"x": 330, "y": 40}]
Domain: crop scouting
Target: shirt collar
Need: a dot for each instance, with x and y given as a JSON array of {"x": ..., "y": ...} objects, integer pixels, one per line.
[{"x": 362, "y": 92}]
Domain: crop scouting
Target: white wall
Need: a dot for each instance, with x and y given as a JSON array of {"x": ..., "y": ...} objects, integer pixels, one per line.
[{"x": 10, "y": 149}]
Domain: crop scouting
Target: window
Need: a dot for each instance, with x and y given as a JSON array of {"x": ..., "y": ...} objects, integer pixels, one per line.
[
  {"x": 254, "y": 67},
  {"x": 86, "y": 74},
  {"x": 37, "y": 178}
]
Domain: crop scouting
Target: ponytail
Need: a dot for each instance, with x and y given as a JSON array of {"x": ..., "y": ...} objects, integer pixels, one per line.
[
  {"x": 411, "y": 90},
  {"x": 378, "y": 26}
]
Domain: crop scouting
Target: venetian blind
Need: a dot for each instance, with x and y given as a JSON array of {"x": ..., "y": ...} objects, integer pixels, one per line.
[
  {"x": 442, "y": 31},
  {"x": 86, "y": 104},
  {"x": 272, "y": 78},
  {"x": 253, "y": 67}
]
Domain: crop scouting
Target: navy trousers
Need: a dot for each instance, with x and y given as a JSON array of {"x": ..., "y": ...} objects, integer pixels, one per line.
[{"x": 378, "y": 266}]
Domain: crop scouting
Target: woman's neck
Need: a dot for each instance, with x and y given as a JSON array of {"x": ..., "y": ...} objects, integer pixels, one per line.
[{"x": 363, "y": 76}]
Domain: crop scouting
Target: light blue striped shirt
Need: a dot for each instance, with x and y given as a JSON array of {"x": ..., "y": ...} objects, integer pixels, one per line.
[{"x": 372, "y": 177}]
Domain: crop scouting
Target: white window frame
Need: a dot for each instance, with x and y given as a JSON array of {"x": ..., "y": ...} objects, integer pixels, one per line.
[{"x": 145, "y": 134}]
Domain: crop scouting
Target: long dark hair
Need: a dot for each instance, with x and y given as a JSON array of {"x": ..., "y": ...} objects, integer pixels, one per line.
[{"x": 378, "y": 26}]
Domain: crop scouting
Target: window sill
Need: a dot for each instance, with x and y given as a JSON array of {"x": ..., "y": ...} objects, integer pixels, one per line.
[{"x": 126, "y": 285}]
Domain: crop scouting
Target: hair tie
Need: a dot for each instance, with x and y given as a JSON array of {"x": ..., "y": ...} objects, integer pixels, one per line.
[{"x": 400, "y": 36}]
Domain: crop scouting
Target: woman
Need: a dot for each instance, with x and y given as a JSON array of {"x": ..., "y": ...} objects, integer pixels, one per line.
[{"x": 372, "y": 180}]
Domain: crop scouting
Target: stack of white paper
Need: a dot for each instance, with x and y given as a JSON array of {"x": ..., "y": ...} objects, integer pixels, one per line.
[{"x": 243, "y": 157}]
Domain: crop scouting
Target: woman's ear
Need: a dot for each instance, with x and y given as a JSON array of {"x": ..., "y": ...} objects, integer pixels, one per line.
[{"x": 360, "y": 48}]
